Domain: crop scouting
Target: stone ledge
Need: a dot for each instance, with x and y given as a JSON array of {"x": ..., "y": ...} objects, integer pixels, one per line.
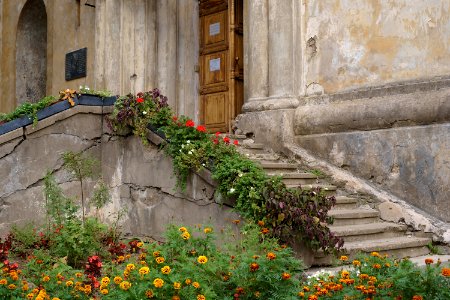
[
  {"x": 9, "y": 136},
  {"x": 270, "y": 103}
]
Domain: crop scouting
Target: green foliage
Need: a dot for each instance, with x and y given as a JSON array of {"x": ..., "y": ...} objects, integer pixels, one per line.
[
  {"x": 84, "y": 89},
  {"x": 59, "y": 208},
  {"x": 76, "y": 240},
  {"x": 101, "y": 195},
  {"x": 28, "y": 109},
  {"x": 24, "y": 239},
  {"x": 318, "y": 173}
]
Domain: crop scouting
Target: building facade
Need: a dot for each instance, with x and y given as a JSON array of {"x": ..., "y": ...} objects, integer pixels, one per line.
[{"x": 364, "y": 84}]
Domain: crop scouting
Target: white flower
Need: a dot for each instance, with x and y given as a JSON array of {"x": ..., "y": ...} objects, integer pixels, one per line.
[
  {"x": 188, "y": 141},
  {"x": 182, "y": 146},
  {"x": 240, "y": 174},
  {"x": 232, "y": 190},
  {"x": 144, "y": 112},
  {"x": 180, "y": 150},
  {"x": 203, "y": 164},
  {"x": 190, "y": 152}
]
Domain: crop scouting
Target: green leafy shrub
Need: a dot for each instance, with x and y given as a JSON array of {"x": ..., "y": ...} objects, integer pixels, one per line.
[{"x": 28, "y": 109}]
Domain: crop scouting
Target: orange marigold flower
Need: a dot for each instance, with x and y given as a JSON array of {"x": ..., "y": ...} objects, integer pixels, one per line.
[
  {"x": 356, "y": 263},
  {"x": 207, "y": 230},
  {"x": 177, "y": 285},
  {"x": 201, "y": 297},
  {"x": 376, "y": 266},
  {"x": 149, "y": 293},
  {"x": 125, "y": 285},
  {"x": 30, "y": 296},
  {"x": 182, "y": 229},
  {"x": 158, "y": 282},
  {"x": 271, "y": 256},
  {"x": 417, "y": 297},
  {"x": 306, "y": 288},
  {"x": 106, "y": 280},
  {"x": 196, "y": 284},
  {"x": 446, "y": 272},
  {"x": 165, "y": 270},
  {"x": 144, "y": 270},
  {"x": 117, "y": 279},
  {"x": 12, "y": 286},
  {"x": 188, "y": 281},
  {"x": 186, "y": 235},
  {"x": 375, "y": 254},
  {"x": 312, "y": 297},
  {"x": 156, "y": 253},
  {"x": 261, "y": 223},
  {"x": 69, "y": 283},
  {"x": 429, "y": 261},
  {"x": 3, "y": 281},
  {"x": 301, "y": 294},
  {"x": 202, "y": 259},
  {"x": 104, "y": 291},
  {"x": 254, "y": 267},
  {"x": 265, "y": 230},
  {"x": 343, "y": 258},
  {"x": 160, "y": 259},
  {"x": 286, "y": 276},
  {"x": 131, "y": 267},
  {"x": 46, "y": 278},
  {"x": 345, "y": 274},
  {"x": 175, "y": 297},
  {"x": 236, "y": 221}
]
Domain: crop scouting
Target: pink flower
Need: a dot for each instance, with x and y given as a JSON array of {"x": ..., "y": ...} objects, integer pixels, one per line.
[
  {"x": 190, "y": 123},
  {"x": 201, "y": 128},
  {"x": 139, "y": 100}
]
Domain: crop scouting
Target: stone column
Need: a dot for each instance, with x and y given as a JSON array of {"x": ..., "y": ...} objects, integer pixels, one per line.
[
  {"x": 280, "y": 48},
  {"x": 256, "y": 50},
  {"x": 167, "y": 20}
]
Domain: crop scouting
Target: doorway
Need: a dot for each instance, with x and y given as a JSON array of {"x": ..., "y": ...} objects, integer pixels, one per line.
[{"x": 221, "y": 62}]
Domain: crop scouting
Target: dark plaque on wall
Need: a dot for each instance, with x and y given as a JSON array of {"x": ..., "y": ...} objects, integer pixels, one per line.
[{"x": 76, "y": 64}]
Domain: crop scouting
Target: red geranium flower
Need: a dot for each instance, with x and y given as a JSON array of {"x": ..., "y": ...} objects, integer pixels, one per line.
[
  {"x": 174, "y": 118},
  {"x": 216, "y": 141},
  {"x": 139, "y": 100},
  {"x": 190, "y": 123},
  {"x": 201, "y": 128},
  {"x": 236, "y": 142},
  {"x": 217, "y": 133},
  {"x": 226, "y": 140}
]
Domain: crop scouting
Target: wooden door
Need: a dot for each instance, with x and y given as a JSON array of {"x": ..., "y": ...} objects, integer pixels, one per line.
[{"x": 221, "y": 62}]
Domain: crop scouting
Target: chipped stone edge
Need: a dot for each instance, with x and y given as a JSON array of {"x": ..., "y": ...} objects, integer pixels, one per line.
[
  {"x": 419, "y": 220},
  {"x": 11, "y": 135}
]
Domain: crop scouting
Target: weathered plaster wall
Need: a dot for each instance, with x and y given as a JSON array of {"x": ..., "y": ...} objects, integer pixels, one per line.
[
  {"x": 370, "y": 42},
  {"x": 68, "y": 29},
  {"x": 140, "y": 176}
]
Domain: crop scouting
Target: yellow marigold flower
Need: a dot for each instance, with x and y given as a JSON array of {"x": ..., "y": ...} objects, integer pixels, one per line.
[
  {"x": 106, "y": 280},
  {"x": 343, "y": 258},
  {"x": 387, "y": 265},
  {"x": 196, "y": 284},
  {"x": 376, "y": 266},
  {"x": 78, "y": 275},
  {"x": 271, "y": 256},
  {"x": 345, "y": 274},
  {"x": 87, "y": 288},
  {"x": 30, "y": 296},
  {"x": 126, "y": 273},
  {"x": 286, "y": 276},
  {"x": 144, "y": 270},
  {"x": 142, "y": 256},
  {"x": 182, "y": 229},
  {"x": 12, "y": 286},
  {"x": 158, "y": 282},
  {"x": 103, "y": 286},
  {"x": 35, "y": 291},
  {"x": 45, "y": 278},
  {"x": 207, "y": 230},
  {"x": 125, "y": 285},
  {"x": 375, "y": 254},
  {"x": 25, "y": 287},
  {"x": 3, "y": 281},
  {"x": 55, "y": 298},
  {"x": 356, "y": 263},
  {"x": 165, "y": 270},
  {"x": 186, "y": 235},
  {"x": 127, "y": 256},
  {"x": 117, "y": 279},
  {"x": 201, "y": 297},
  {"x": 188, "y": 281},
  {"x": 120, "y": 259},
  {"x": 202, "y": 259},
  {"x": 160, "y": 260},
  {"x": 429, "y": 261},
  {"x": 301, "y": 294},
  {"x": 257, "y": 294},
  {"x": 156, "y": 253},
  {"x": 104, "y": 291},
  {"x": 131, "y": 267},
  {"x": 177, "y": 285},
  {"x": 140, "y": 244},
  {"x": 149, "y": 293},
  {"x": 446, "y": 272}
]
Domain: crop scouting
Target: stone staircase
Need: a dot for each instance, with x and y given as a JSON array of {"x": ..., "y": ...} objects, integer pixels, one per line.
[{"x": 356, "y": 222}]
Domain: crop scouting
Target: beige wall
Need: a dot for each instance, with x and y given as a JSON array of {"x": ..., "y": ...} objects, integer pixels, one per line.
[
  {"x": 372, "y": 42},
  {"x": 64, "y": 34}
]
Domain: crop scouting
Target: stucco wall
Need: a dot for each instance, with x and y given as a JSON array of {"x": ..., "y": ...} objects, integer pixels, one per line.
[
  {"x": 140, "y": 177},
  {"x": 371, "y": 42}
]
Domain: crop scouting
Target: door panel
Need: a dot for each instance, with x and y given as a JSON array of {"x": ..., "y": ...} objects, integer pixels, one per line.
[{"x": 221, "y": 62}]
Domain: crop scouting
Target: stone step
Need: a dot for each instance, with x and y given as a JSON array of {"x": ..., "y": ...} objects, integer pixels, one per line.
[
  {"x": 344, "y": 202},
  {"x": 396, "y": 247},
  {"x": 244, "y": 150},
  {"x": 329, "y": 190},
  {"x": 263, "y": 157},
  {"x": 355, "y": 216},
  {"x": 278, "y": 167},
  {"x": 371, "y": 231},
  {"x": 296, "y": 178}
]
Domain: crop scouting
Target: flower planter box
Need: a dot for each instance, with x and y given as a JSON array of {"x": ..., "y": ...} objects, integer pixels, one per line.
[
  {"x": 157, "y": 131},
  {"x": 14, "y": 124},
  {"x": 93, "y": 100},
  {"x": 54, "y": 109}
]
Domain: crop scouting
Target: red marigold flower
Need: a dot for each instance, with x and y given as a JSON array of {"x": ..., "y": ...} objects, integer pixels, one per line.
[
  {"x": 271, "y": 256},
  {"x": 236, "y": 142},
  {"x": 139, "y": 100},
  {"x": 446, "y": 272},
  {"x": 190, "y": 123},
  {"x": 286, "y": 276},
  {"x": 201, "y": 128},
  {"x": 429, "y": 261},
  {"x": 254, "y": 267},
  {"x": 226, "y": 140}
]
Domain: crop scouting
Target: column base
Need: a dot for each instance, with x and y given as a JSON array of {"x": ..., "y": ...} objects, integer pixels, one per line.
[{"x": 270, "y": 103}]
